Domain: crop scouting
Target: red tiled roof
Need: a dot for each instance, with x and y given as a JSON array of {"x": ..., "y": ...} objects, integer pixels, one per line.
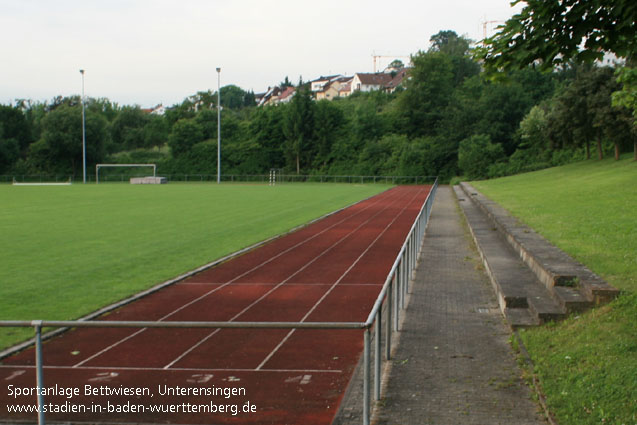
[
  {"x": 347, "y": 87},
  {"x": 398, "y": 79},
  {"x": 379, "y": 79},
  {"x": 289, "y": 91}
]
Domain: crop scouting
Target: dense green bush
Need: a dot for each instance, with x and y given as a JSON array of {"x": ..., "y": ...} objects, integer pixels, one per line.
[{"x": 476, "y": 154}]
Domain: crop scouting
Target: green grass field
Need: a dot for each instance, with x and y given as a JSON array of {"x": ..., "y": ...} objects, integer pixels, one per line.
[
  {"x": 587, "y": 365},
  {"x": 67, "y": 251}
]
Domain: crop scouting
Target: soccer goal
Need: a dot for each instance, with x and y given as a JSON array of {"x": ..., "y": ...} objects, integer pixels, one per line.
[{"x": 98, "y": 166}]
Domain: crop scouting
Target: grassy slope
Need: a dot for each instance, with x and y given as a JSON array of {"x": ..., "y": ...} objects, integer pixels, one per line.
[
  {"x": 67, "y": 251},
  {"x": 587, "y": 365}
]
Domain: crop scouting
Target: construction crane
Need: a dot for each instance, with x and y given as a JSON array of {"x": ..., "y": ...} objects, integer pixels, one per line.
[
  {"x": 376, "y": 57},
  {"x": 484, "y": 28}
]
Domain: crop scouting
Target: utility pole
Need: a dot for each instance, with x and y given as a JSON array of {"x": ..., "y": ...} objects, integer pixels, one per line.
[
  {"x": 218, "y": 125},
  {"x": 83, "y": 131}
]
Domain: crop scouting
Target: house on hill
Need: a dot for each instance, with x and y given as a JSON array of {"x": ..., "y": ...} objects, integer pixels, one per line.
[
  {"x": 398, "y": 80},
  {"x": 286, "y": 95},
  {"x": 379, "y": 81},
  {"x": 322, "y": 82},
  {"x": 339, "y": 87},
  {"x": 275, "y": 95},
  {"x": 367, "y": 82},
  {"x": 156, "y": 110},
  {"x": 270, "y": 97},
  {"x": 335, "y": 86}
]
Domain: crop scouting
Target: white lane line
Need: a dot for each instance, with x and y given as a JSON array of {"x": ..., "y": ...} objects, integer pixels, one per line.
[
  {"x": 288, "y": 284},
  {"x": 291, "y": 332},
  {"x": 174, "y": 369},
  {"x": 328, "y": 249},
  {"x": 115, "y": 344}
]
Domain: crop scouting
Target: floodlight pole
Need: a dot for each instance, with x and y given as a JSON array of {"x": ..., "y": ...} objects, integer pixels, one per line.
[
  {"x": 83, "y": 131},
  {"x": 218, "y": 125}
]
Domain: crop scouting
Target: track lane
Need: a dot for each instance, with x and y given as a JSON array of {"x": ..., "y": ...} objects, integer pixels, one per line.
[{"x": 360, "y": 237}]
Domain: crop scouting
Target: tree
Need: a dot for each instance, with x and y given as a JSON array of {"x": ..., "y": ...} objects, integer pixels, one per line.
[
  {"x": 299, "y": 127},
  {"x": 627, "y": 97},
  {"x": 9, "y": 150},
  {"x": 450, "y": 43},
  {"x": 266, "y": 129},
  {"x": 428, "y": 92},
  {"x": 328, "y": 122},
  {"x": 15, "y": 135},
  {"x": 185, "y": 134},
  {"x": 569, "y": 122},
  {"x": 155, "y": 131},
  {"x": 127, "y": 130},
  {"x": 458, "y": 48},
  {"x": 552, "y": 33},
  {"x": 233, "y": 97},
  {"x": 207, "y": 120},
  {"x": 60, "y": 146},
  {"x": 533, "y": 130},
  {"x": 476, "y": 154},
  {"x": 609, "y": 122},
  {"x": 286, "y": 83}
]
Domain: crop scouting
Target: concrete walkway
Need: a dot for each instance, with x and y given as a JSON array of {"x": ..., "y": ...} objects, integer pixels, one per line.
[{"x": 453, "y": 364}]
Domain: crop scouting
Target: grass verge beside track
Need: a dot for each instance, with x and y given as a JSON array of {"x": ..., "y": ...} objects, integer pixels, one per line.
[
  {"x": 67, "y": 251},
  {"x": 587, "y": 365}
]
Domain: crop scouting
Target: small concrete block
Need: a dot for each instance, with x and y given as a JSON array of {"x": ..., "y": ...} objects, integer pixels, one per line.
[{"x": 148, "y": 180}]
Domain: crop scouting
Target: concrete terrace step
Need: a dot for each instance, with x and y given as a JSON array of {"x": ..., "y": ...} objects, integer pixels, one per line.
[
  {"x": 522, "y": 298},
  {"x": 570, "y": 282}
]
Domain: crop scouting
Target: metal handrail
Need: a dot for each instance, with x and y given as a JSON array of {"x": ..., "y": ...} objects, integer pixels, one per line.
[
  {"x": 177, "y": 324},
  {"x": 392, "y": 294}
]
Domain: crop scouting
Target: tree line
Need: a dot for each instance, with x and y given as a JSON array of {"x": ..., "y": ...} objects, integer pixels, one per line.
[{"x": 449, "y": 119}]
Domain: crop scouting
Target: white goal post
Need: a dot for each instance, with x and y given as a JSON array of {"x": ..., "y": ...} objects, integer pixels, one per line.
[{"x": 98, "y": 166}]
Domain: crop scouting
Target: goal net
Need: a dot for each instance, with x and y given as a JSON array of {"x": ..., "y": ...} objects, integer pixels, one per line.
[{"x": 99, "y": 166}]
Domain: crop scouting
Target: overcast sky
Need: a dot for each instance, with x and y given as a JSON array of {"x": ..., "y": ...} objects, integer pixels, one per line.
[{"x": 147, "y": 52}]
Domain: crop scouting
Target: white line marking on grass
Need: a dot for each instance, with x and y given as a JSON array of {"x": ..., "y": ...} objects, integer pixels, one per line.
[
  {"x": 261, "y": 298},
  {"x": 99, "y": 353},
  {"x": 291, "y": 332}
]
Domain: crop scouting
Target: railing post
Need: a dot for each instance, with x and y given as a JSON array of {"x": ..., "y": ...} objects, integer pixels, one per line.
[
  {"x": 377, "y": 356},
  {"x": 37, "y": 324},
  {"x": 366, "y": 378},
  {"x": 396, "y": 299},
  {"x": 414, "y": 249},
  {"x": 401, "y": 275},
  {"x": 388, "y": 321}
]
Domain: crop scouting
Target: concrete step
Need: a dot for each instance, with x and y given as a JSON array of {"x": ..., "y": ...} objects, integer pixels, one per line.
[
  {"x": 572, "y": 284},
  {"x": 521, "y": 318},
  {"x": 522, "y": 298}
]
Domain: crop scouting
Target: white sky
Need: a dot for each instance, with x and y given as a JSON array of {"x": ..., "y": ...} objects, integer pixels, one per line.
[{"x": 147, "y": 52}]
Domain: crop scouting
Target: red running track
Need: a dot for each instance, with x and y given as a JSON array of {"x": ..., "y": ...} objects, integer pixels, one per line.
[{"x": 329, "y": 271}]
